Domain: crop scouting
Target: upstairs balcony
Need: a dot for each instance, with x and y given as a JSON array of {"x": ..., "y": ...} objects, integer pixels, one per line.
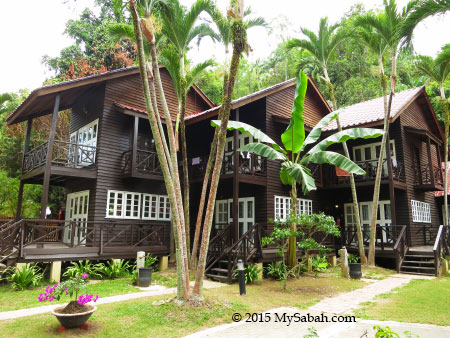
[
  {"x": 428, "y": 177},
  {"x": 251, "y": 168},
  {"x": 67, "y": 159},
  {"x": 141, "y": 164}
]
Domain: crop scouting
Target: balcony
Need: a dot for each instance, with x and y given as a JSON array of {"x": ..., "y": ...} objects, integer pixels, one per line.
[
  {"x": 251, "y": 167},
  {"x": 141, "y": 164},
  {"x": 333, "y": 177},
  {"x": 428, "y": 177},
  {"x": 65, "y": 156}
]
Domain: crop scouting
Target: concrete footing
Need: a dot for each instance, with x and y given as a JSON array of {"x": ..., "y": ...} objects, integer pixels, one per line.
[
  {"x": 55, "y": 272},
  {"x": 163, "y": 263}
]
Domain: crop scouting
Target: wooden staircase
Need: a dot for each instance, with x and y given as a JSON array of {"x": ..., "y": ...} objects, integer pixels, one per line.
[
  {"x": 419, "y": 263},
  {"x": 223, "y": 256}
]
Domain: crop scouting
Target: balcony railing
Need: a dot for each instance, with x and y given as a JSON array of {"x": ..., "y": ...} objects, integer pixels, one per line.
[
  {"x": 249, "y": 164},
  {"x": 426, "y": 175},
  {"x": 370, "y": 167},
  {"x": 146, "y": 162},
  {"x": 64, "y": 154}
]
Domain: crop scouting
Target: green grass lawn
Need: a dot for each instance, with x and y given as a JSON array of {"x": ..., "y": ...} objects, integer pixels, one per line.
[
  {"x": 139, "y": 318},
  {"x": 14, "y": 300},
  {"x": 421, "y": 301}
]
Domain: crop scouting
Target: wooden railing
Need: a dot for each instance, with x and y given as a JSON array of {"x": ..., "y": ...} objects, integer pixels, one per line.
[
  {"x": 249, "y": 164},
  {"x": 386, "y": 236},
  {"x": 441, "y": 247},
  {"x": 370, "y": 167},
  {"x": 146, "y": 162},
  {"x": 400, "y": 248},
  {"x": 218, "y": 244},
  {"x": 65, "y": 154},
  {"x": 99, "y": 237},
  {"x": 424, "y": 174}
]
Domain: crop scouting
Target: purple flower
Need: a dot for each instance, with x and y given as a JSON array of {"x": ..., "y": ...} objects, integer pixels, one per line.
[
  {"x": 84, "y": 275},
  {"x": 96, "y": 298}
]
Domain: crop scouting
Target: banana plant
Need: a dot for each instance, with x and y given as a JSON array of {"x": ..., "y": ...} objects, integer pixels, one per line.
[{"x": 298, "y": 151}]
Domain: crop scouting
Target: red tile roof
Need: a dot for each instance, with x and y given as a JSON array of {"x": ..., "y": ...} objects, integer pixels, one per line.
[{"x": 372, "y": 110}]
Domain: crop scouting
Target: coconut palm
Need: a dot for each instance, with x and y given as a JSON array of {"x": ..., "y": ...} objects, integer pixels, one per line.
[
  {"x": 322, "y": 47},
  {"x": 438, "y": 70},
  {"x": 386, "y": 25}
]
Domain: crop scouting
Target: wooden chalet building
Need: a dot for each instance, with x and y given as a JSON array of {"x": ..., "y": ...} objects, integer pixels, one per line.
[{"x": 116, "y": 202}]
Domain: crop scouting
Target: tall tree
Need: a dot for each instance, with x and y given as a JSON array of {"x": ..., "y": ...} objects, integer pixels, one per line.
[
  {"x": 228, "y": 26},
  {"x": 322, "y": 46},
  {"x": 438, "y": 70},
  {"x": 388, "y": 24},
  {"x": 178, "y": 26},
  {"x": 240, "y": 45},
  {"x": 152, "y": 86}
]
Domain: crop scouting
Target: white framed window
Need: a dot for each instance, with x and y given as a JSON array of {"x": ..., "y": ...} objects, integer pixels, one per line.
[
  {"x": 85, "y": 136},
  {"x": 283, "y": 207},
  {"x": 222, "y": 211},
  {"x": 371, "y": 151},
  {"x": 421, "y": 212},
  {"x": 133, "y": 205}
]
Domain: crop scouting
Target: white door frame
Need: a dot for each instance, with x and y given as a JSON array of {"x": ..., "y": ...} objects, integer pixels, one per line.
[
  {"x": 77, "y": 209},
  {"x": 246, "y": 211}
]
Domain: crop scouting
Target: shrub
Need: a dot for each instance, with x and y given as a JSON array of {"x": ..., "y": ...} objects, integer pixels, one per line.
[
  {"x": 319, "y": 264},
  {"x": 150, "y": 261},
  {"x": 353, "y": 258},
  {"x": 30, "y": 275},
  {"x": 279, "y": 271},
  {"x": 113, "y": 269},
  {"x": 251, "y": 273},
  {"x": 78, "y": 268}
]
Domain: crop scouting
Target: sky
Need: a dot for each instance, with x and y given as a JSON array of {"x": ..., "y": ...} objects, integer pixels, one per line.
[{"x": 31, "y": 29}]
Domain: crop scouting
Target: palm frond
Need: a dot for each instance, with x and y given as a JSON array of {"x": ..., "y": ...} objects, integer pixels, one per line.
[
  {"x": 170, "y": 59},
  {"x": 196, "y": 73}
]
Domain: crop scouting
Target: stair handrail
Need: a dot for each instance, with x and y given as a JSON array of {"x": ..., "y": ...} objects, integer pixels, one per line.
[
  {"x": 10, "y": 239},
  {"x": 437, "y": 250},
  {"x": 210, "y": 261},
  {"x": 400, "y": 248}
]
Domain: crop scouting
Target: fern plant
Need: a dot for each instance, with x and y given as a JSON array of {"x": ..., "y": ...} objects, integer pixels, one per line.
[
  {"x": 251, "y": 273},
  {"x": 319, "y": 264},
  {"x": 78, "y": 268},
  {"x": 113, "y": 269},
  {"x": 29, "y": 275}
]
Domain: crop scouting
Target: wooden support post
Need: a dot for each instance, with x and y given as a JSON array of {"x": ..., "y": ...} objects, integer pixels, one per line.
[
  {"x": 172, "y": 256},
  {"x": 438, "y": 156},
  {"x": 134, "y": 149},
  {"x": 391, "y": 180},
  {"x": 236, "y": 182},
  {"x": 332, "y": 260},
  {"x": 48, "y": 164},
  {"x": 430, "y": 162},
  {"x": 21, "y": 186}
]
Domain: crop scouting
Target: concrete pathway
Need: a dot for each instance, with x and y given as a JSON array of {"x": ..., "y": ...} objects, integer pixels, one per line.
[
  {"x": 154, "y": 290},
  {"x": 279, "y": 325}
]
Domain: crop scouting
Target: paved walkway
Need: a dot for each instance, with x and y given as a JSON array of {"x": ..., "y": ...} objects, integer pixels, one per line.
[
  {"x": 154, "y": 290},
  {"x": 338, "y": 305}
]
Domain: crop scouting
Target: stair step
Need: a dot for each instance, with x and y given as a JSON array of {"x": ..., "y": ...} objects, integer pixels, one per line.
[
  {"x": 419, "y": 256},
  {"x": 416, "y": 273},
  {"x": 418, "y": 262},
  {"x": 418, "y": 267},
  {"x": 220, "y": 270},
  {"x": 217, "y": 277}
]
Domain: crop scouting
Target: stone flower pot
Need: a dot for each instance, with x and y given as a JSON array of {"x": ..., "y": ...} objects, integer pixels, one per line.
[
  {"x": 355, "y": 270},
  {"x": 73, "y": 320},
  {"x": 145, "y": 277}
]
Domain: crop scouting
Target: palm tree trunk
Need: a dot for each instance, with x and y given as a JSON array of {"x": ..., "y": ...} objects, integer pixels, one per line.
[
  {"x": 170, "y": 180},
  {"x": 292, "y": 248},
  {"x": 359, "y": 234},
  {"x": 376, "y": 188},
  {"x": 209, "y": 166},
  {"x": 239, "y": 44},
  {"x": 444, "y": 103}
]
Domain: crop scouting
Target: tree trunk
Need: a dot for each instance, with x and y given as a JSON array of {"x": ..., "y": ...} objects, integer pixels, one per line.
[
  {"x": 171, "y": 177},
  {"x": 239, "y": 45},
  {"x": 444, "y": 103},
  {"x": 359, "y": 234},
  {"x": 292, "y": 248}
]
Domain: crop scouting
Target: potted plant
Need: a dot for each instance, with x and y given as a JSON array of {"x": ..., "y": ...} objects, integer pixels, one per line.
[
  {"x": 77, "y": 311},
  {"x": 354, "y": 267},
  {"x": 145, "y": 273}
]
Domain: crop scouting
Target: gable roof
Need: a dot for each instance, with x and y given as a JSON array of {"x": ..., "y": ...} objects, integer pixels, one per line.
[
  {"x": 372, "y": 111},
  {"x": 40, "y": 101},
  {"x": 242, "y": 101}
]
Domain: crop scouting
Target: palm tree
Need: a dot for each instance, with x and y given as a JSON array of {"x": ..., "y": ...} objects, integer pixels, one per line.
[
  {"x": 224, "y": 26},
  {"x": 388, "y": 26},
  {"x": 152, "y": 85},
  {"x": 322, "y": 46},
  {"x": 178, "y": 26},
  {"x": 4, "y": 99},
  {"x": 438, "y": 70}
]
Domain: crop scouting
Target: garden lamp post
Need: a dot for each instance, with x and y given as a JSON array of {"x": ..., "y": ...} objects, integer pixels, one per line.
[{"x": 241, "y": 277}]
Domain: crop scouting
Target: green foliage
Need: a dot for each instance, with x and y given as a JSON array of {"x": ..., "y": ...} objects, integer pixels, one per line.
[
  {"x": 279, "y": 271},
  {"x": 78, "y": 268},
  {"x": 150, "y": 260},
  {"x": 319, "y": 264},
  {"x": 312, "y": 333},
  {"x": 29, "y": 276},
  {"x": 353, "y": 258},
  {"x": 385, "y": 332},
  {"x": 251, "y": 273},
  {"x": 113, "y": 269}
]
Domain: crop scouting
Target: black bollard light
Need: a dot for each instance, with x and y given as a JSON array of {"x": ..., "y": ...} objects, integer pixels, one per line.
[{"x": 241, "y": 276}]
